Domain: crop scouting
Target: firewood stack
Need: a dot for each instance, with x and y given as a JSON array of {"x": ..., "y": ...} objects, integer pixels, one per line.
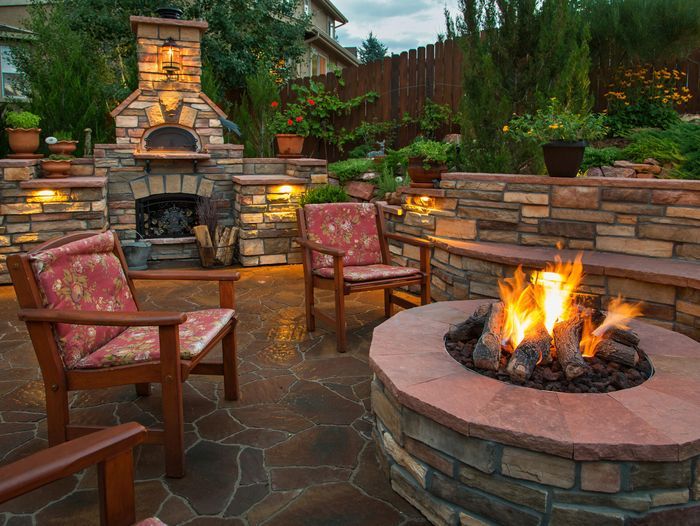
[{"x": 616, "y": 345}]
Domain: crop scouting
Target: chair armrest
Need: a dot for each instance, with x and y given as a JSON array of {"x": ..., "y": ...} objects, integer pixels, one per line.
[
  {"x": 411, "y": 240},
  {"x": 68, "y": 458},
  {"x": 312, "y": 245},
  {"x": 92, "y": 317},
  {"x": 187, "y": 275}
]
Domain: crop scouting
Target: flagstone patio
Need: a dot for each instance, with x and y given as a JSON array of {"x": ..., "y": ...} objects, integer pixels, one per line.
[{"x": 295, "y": 450}]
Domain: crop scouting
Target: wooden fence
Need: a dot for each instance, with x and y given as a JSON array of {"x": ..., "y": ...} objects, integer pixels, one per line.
[{"x": 405, "y": 81}]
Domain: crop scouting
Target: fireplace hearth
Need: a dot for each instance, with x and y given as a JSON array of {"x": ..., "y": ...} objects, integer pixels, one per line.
[{"x": 166, "y": 216}]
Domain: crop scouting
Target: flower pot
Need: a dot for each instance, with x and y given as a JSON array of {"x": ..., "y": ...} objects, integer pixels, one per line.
[
  {"x": 422, "y": 177},
  {"x": 55, "y": 169},
  {"x": 23, "y": 142},
  {"x": 63, "y": 147},
  {"x": 137, "y": 253},
  {"x": 563, "y": 158},
  {"x": 289, "y": 145}
]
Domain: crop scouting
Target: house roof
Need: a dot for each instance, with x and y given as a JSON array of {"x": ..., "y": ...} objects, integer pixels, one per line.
[
  {"x": 14, "y": 33},
  {"x": 330, "y": 7},
  {"x": 322, "y": 39}
]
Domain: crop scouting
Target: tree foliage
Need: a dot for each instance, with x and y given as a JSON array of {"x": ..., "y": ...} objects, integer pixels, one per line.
[{"x": 371, "y": 49}]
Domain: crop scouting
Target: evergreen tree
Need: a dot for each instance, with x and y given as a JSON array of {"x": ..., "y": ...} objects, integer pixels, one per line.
[
  {"x": 520, "y": 53},
  {"x": 371, "y": 49}
]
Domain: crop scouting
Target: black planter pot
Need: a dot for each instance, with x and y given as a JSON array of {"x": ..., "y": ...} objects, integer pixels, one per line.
[{"x": 563, "y": 158}]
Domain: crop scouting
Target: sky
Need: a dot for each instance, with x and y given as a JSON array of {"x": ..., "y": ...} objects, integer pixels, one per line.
[{"x": 400, "y": 24}]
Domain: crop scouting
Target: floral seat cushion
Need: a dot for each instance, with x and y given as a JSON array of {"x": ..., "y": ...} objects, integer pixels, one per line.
[
  {"x": 141, "y": 344},
  {"x": 351, "y": 227},
  {"x": 369, "y": 272},
  {"x": 83, "y": 275}
]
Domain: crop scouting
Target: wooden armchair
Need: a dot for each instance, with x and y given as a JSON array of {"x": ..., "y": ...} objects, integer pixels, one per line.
[
  {"x": 344, "y": 249},
  {"x": 111, "y": 449},
  {"x": 77, "y": 298}
]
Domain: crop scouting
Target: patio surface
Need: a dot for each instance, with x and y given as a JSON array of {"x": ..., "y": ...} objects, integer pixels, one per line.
[{"x": 295, "y": 450}]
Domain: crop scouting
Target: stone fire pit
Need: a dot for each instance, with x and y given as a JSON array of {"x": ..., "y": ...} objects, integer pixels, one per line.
[{"x": 465, "y": 448}]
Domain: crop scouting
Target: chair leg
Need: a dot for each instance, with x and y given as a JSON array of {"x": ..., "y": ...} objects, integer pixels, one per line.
[
  {"x": 309, "y": 304},
  {"x": 57, "y": 415},
  {"x": 173, "y": 423},
  {"x": 425, "y": 291},
  {"x": 387, "y": 303},
  {"x": 340, "y": 332},
  {"x": 228, "y": 347},
  {"x": 143, "y": 389}
]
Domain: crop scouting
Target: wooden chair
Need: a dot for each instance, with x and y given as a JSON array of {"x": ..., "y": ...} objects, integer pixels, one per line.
[
  {"x": 111, "y": 449},
  {"x": 344, "y": 249},
  {"x": 77, "y": 298}
]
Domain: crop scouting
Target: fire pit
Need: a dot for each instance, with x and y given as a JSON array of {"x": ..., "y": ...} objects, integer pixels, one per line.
[
  {"x": 543, "y": 335},
  {"x": 466, "y": 448}
]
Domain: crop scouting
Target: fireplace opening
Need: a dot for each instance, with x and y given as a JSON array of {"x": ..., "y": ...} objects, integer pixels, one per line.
[
  {"x": 170, "y": 139},
  {"x": 166, "y": 216}
]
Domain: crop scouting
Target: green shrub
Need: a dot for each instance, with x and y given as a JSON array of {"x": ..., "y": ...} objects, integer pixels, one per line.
[
  {"x": 360, "y": 152},
  {"x": 679, "y": 146},
  {"x": 595, "y": 157},
  {"x": 351, "y": 169},
  {"x": 387, "y": 182},
  {"x": 22, "y": 119},
  {"x": 327, "y": 193},
  {"x": 63, "y": 135},
  {"x": 429, "y": 151}
]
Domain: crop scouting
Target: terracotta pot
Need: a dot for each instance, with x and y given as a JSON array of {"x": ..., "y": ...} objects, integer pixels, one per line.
[
  {"x": 563, "y": 158},
  {"x": 422, "y": 178},
  {"x": 289, "y": 145},
  {"x": 63, "y": 147},
  {"x": 55, "y": 169},
  {"x": 23, "y": 142}
]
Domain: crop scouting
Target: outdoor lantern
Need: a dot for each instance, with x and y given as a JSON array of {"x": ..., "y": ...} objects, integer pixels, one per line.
[{"x": 170, "y": 58}]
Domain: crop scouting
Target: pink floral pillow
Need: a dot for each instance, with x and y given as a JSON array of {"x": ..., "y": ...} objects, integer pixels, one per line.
[
  {"x": 351, "y": 227},
  {"x": 83, "y": 275}
]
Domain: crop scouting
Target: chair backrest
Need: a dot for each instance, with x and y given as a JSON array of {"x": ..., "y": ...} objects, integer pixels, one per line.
[
  {"x": 351, "y": 227},
  {"x": 87, "y": 275}
]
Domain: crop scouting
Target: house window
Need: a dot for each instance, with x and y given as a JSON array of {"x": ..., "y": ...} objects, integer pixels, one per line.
[
  {"x": 307, "y": 7},
  {"x": 8, "y": 75},
  {"x": 319, "y": 63}
]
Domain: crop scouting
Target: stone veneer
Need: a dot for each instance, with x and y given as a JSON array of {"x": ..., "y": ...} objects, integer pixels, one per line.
[
  {"x": 35, "y": 210},
  {"x": 466, "y": 449},
  {"x": 640, "y": 237}
]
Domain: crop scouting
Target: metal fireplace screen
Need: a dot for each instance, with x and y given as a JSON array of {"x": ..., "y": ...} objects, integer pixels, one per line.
[
  {"x": 170, "y": 215},
  {"x": 170, "y": 138}
]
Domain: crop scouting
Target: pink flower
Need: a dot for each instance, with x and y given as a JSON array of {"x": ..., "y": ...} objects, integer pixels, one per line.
[{"x": 300, "y": 118}]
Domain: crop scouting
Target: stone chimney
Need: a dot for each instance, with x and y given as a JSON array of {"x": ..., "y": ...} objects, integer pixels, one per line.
[{"x": 152, "y": 34}]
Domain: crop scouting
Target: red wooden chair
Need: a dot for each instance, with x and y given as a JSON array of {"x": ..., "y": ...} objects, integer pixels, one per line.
[
  {"x": 344, "y": 249},
  {"x": 77, "y": 298},
  {"x": 111, "y": 449}
]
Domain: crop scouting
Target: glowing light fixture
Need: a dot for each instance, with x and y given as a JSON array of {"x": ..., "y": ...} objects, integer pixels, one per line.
[{"x": 170, "y": 58}]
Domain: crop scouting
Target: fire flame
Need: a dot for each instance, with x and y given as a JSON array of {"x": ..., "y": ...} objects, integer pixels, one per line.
[
  {"x": 549, "y": 298},
  {"x": 619, "y": 315}
]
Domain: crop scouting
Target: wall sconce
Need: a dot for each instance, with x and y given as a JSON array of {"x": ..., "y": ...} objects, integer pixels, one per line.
[{"x": 170, "y": 61}]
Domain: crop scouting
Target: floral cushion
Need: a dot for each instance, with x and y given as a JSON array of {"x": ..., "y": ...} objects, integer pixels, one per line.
[
  {"x": 351, "y": 227},
  {"x": 141, "y": 344},
  {"x": 369, "y": 272},
  {"x": 152, "y": 521},
  {"x": 83, "y": 275}
]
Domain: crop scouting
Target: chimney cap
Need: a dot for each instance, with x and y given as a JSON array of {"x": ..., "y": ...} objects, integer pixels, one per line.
[{"x": 169, "y": 12}]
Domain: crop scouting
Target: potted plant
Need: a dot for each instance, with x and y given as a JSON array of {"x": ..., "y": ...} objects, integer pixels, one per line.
[
  {"x": 290, "y": 128},
  {"x": 137, "y": 252},
  {"x": 56, "y": 166},
  {"x": 426, "y": 162},
  {"x": 562, "y": 133},
  {"x": 61, "y": 143},
  {"x": 23, "y": 134}
]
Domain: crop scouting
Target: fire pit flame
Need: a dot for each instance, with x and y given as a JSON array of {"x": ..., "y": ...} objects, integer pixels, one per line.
[{"x": 542, "y": 322}]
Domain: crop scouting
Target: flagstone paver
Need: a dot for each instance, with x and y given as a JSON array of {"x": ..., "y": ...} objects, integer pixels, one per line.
[{"x": 295, "y": 450}]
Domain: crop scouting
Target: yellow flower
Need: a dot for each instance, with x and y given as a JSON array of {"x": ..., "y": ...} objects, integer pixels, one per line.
[
  {"x": 506, "y": 129},
  {"x": 554, "y": 126},
  {"x": 664, "y": 100}
]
